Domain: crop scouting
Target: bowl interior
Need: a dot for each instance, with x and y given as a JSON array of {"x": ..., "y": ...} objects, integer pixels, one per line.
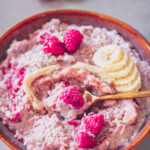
[{"x": 24, "y": 28}]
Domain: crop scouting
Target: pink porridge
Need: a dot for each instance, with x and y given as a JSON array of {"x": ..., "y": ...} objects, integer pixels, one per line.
[{"x": 50, "y": 112}]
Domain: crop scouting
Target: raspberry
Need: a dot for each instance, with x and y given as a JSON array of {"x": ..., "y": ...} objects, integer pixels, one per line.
[
  {"x": 8, "y": 84},
  {"x": 17, "y": 80},
  {"x": 72, "y": 40},
  {"x": 71, "y": 96},
  {"x": 54, "y": 46},
  {"x": 73, "y": 122},
  {"x": 85, "y": 140},
  {"x": 15, "y": 117},
  {"x": 93, "y": 123},
  {"x": 3, "y": 71}
]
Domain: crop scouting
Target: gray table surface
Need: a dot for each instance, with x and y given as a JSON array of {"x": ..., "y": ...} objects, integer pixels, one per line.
[{"x": 134, "y": 12}]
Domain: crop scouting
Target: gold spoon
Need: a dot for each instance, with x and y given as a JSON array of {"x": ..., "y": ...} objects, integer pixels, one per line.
[{"x": 93, "y": 99}]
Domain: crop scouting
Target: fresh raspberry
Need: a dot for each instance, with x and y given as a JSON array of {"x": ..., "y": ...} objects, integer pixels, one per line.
[
  {"x": 3, "y": 71},
  {"x": 17, "y": 79},
  {"x": 72, "y": 96},
  {"x": 72, "y": 40},
  {"x": 54, "y": 46},
  {"x": 85, "y": 140},
  {"x": 93, "y": 123},
  {"x": 73, "y": 122},
  {"x": 15, "y": 117}
]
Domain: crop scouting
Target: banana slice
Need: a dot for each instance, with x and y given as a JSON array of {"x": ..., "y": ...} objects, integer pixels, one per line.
[
  {"x": 122, "y": 70},
  {"x": 29, "y": 89},
  {"x": 110, "y": 58},
  {"x": 129, "y": 78},
  {"x": 130, "y": 87},
  {"x": 113, "y": 54},
  {"x": 117, "y": 66}
]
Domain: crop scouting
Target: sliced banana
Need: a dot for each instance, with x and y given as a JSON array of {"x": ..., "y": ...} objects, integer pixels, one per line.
[
  {"x": 129, "y": 79},
  {"x": 122, "y": 70},
  {"x": 131, "y": 86},
  {"x": 112, "y": 55},
  {"x": 29, "y": 89},
  {"x": 116, "y": 66},
  {"x": 110, "y": 58}
]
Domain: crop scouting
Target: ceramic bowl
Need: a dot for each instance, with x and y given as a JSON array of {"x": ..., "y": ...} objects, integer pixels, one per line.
[{"x": 80, "y": 17}]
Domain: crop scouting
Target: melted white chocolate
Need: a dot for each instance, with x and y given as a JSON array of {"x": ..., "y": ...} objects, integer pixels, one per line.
[{"x": 29, "y": 89}]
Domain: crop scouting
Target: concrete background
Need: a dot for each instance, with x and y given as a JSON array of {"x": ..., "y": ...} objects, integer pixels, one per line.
[{"x": 134, "y": 12}]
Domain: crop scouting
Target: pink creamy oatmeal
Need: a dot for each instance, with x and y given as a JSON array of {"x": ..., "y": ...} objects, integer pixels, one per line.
[{"x": 67, "y": 123}]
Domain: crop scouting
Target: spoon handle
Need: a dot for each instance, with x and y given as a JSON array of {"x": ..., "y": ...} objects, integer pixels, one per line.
[{"x": 123, "y": 96}]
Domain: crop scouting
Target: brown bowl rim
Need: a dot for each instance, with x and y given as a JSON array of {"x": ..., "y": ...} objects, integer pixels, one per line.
[{"x": 111, "y": 19}]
